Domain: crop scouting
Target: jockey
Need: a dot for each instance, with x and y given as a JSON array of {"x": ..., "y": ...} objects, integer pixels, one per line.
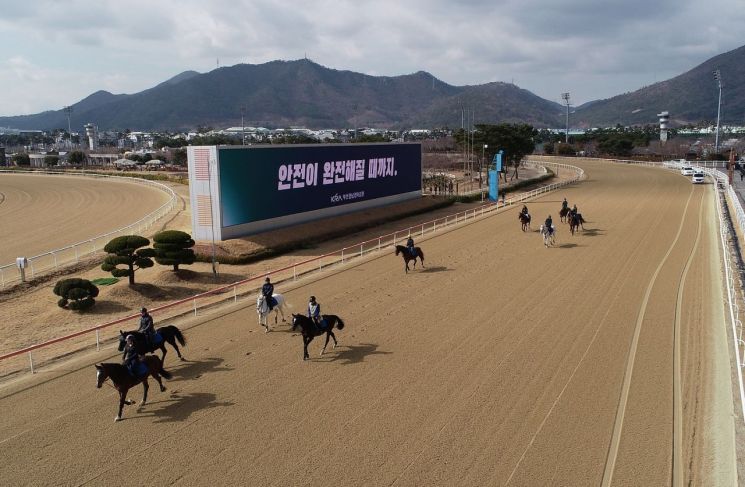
[
  {"x": 131, "y": 357},
  {"x": 574, "y": 209},
  {"x": 314, "y": 312},
  {"x": 147, "y": 327},
  {"x": 549, "y": 224},
  {"x": 267, "y": 290},
  {"x": 564, "y": 204},
  {"x": 410, "y": 246},
  {"x": 524, "y": 211}
]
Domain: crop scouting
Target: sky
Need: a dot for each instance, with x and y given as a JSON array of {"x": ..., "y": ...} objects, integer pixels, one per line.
[{"x": 55, "y": 53}]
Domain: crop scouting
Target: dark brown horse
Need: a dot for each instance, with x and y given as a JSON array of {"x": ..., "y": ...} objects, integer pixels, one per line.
[
  {"x": 168, "y": 334},
  {"x": 563, "y": 214},
  {"x": 575, "y": 222},
  {"x": 524, "y": 220},
  {"x": 123, "y": 380},
  {"x": 407, "y": 255},
  {"x": 310, "y": 330}
]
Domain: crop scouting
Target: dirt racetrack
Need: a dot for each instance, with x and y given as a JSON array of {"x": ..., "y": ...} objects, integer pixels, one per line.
[
  {"x": 601, "y": 361},
  {"x": 41, "y": 213}
]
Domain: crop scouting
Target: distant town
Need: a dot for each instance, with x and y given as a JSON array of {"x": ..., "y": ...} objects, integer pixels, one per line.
[{"x": 129, "y": 149}]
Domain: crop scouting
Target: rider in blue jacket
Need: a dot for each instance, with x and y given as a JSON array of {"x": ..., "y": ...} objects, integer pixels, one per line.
[
  {"x": 549, "y": 224},
  {"x": 564, "y": 204},
  {"x": 131, "y": 357},
  {"x": 410, "y": 246},
  {"x": 314, "y": 312},
  {"x": 267, "y": 290}
]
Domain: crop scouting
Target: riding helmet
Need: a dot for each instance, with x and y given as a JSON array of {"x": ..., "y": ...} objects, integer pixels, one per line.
[
  {"x": 312, "y": 298},
  {"x": 143, "y": 310}
]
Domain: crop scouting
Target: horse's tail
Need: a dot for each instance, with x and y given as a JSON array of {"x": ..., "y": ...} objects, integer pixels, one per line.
[
  {"x": 339, "y": 323},
  {"x": 179, "y": 336}
]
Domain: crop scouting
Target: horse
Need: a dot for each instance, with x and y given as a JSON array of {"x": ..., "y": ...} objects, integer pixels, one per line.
[
  {"x": 575, "y": 222},
  {"x": 123, "y": 380},
  {"x": 549, "y": 237},
  {"x": 563, "y": 214},
  {"x": 169, "y": 334},
  {"x": 524, "y": 220},
  {"x": 309, "y": 330},
  {"x": 262, "y": 309},
  {"x": 407, "y": 255}
]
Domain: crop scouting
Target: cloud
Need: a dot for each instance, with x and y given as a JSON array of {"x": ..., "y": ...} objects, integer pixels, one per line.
[{"x": 593, "y": 49}]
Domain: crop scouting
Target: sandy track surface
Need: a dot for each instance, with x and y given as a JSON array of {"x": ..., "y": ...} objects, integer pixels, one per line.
[
  {"x": 41, "y": 213},
  {"x": 502, "y": 363}
]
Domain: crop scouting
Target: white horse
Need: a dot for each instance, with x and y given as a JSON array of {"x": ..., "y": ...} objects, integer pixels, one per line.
[
  {"x": 262, "y": 309},
  {"x": 549, "y": 238}
]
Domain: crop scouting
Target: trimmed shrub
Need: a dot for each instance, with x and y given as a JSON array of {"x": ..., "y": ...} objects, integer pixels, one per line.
[
  {"x": 126, "y": 250},
  {"x": 173, "y": 247},
  {"x": 75, "y": 293}
]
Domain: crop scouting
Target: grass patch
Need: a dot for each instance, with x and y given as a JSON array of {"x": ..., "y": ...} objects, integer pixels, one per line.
[{"x": 105, "y": 281}]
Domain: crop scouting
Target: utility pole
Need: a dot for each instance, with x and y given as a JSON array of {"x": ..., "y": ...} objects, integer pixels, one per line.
[
  {"x": 718, "y": 78},
  {"x": 565, "y": 97}
]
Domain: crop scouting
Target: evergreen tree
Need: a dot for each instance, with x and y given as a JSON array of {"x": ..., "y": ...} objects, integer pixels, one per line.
[
  {"x": 126, "y": 250},
  {"x": 173, "y": 247},
  {"x": 76, "y": 294}
]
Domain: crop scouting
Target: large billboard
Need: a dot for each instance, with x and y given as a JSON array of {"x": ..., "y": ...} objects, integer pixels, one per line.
[{"x": 243, "y": 190}]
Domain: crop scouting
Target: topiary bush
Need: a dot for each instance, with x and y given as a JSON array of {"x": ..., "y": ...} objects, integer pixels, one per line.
[
  {"x": 173, "y": 247},
  {"x": 76, "y": 294},
  {"x": 125, "y": 250}
]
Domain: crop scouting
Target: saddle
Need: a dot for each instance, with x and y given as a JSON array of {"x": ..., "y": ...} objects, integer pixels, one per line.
[
  {"x": 138, "y": 370},
  {"x": 322, "y": 324},
  {"x": 157, "y": 339}
]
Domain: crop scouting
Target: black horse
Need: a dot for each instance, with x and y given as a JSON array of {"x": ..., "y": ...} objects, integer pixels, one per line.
[
  {"x": 524, "y": 220},
  {"x": 407, "y": 255},
  {"x": 124, "y": 381},
  {"x": 310, "y": 330},
  {"x": 575, "y": 222},
  {"x": 563, "y": 214},
  {"x": 169, "y": 333}
]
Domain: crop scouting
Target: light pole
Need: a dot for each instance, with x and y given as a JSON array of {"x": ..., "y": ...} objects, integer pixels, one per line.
[
  {"x": 565, "y": 97},
  {"x": 481, "y": 167},
  {"x": 718, "y": 78}
]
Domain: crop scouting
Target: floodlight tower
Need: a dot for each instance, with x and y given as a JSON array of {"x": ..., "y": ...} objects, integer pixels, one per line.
[
  {"x": 565, "y": 97},
  {"x": 664, "y": 119},
  {"x": 718, "y": 78}
]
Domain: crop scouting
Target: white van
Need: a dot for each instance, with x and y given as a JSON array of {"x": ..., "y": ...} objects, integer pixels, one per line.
[
  {"x": 698, "y": 177},
  {"x": 687, "y": 171}
]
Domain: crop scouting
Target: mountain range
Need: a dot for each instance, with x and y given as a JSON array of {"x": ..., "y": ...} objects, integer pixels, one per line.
[{"x": 303, "y": 93}]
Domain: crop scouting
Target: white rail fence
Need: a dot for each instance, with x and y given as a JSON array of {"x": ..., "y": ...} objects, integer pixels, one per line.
[
  {"x": 54, "y": 259},
  {"x": 246, "y": 290}
]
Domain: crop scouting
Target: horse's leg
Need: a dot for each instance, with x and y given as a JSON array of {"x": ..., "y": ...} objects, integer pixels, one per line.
[
  {"x": 306, "y": 341},
  {"x": 122, "y": 398},
  {"x": 163, "y": 349},
  {"x": 282, "y": 311},
  {"x": 334, "y": 337},
  {"x": 145, "y": 387},
  {"x": 173, "y": 343},
  {"x": 156, "y": 376},
  {"x": 328, "y": 335}
]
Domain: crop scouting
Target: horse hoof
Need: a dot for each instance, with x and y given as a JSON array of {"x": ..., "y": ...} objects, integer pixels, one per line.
[
  {"x": 321, "y": 354},
  {"x": 182, "y": 359},
  {"x": 162, "y": 389},
  {"x": 117, "y": 418},
  {"x": 305, "y": 359}
]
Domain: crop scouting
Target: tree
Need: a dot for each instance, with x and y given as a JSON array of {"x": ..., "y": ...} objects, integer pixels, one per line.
[
  {"x": 76, "y": 294},
  {"x": 51, "y": 160},
  {"x": 566, "y": 150},
  {"x": 173, "y": 247},
  {"x": 179, "y": 157},
  {"x": 76, "y": 157},
  {"x": 517, "y": 141},
  {"x": 21, "y": 159},
  {"x": 124, "y": 251}
]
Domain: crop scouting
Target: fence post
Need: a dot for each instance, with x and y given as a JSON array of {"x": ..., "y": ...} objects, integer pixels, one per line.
[
  {"x": 31, "y": 263},
  {"x": 31, "y": 361},
  {"x": 195, "y": 306},
  {"x": 235, "y": 295},
  {"x": 378, "y": 244},
  {"x": 422, "y": 229},
  {"x": 55, "y": 259},
  {"x": 294, "y": 272},
  {"x": 98, "y": 340},
  {"x": 360, "y": 250},
  {"x": 76, "y": 253},
  {"x": 342, "y": 255}
]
